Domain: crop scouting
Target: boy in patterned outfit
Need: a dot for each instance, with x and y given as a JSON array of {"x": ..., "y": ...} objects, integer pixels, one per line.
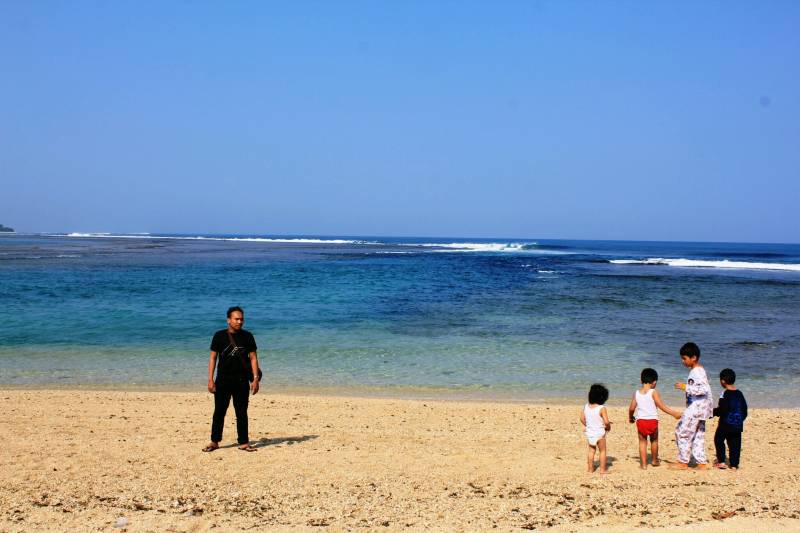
[{"x": 691, "y": 431}]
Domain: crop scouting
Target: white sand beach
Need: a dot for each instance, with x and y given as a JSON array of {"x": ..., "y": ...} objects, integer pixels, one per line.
[{"x": 93, "y": 460}]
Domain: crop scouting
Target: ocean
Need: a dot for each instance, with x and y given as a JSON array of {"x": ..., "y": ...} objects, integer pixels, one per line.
[{"x": 515, "y": 319}]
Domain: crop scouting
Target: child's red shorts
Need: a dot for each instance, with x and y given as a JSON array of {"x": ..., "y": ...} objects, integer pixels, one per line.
[{"x": 646, "y": 427}]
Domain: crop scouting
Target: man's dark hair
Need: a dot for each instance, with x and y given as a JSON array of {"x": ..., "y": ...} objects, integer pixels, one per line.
[
  {"x": 728, "y": 376},
  {"x": 649, "y": 375},
  {"x": 233, "y": 309},
  {"x": 598, "y": 394},
  {"x": 690, "y": 349}
]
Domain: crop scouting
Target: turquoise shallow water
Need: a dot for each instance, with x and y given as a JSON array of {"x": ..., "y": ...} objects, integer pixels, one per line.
[{"x": 496, "y": 318}]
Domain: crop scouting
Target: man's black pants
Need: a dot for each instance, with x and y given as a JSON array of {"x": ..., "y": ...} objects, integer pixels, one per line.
[
  {"x": 240, "y": 392},
  {"x": 734, "y": 438}
]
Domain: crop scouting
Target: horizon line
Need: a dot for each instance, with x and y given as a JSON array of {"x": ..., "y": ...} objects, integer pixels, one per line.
[{"x": 90, "y": 234}]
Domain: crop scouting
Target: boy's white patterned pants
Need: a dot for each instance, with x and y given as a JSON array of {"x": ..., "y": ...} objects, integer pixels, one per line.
[{"x": 691, "y": 437}]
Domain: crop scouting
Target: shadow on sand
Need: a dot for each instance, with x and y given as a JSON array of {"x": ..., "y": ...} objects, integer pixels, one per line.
[
  {"x": 610, "y": 459},
  {"x": 261, "y": 443}
]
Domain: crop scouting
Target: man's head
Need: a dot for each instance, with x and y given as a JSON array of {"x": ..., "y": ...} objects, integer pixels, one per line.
[
  {"x": 690, "y": 354},
  {"x": 727, "y": 377},
  {"x": 649, "y": 376},
  {"x": 235, "y": 318}
]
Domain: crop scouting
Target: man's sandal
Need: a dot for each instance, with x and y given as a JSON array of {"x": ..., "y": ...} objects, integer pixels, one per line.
[
  {"x": 211, "y": 447},
  {"x": 247, "y": 448}
]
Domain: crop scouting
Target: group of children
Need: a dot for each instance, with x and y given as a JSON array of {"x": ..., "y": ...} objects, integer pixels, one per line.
[{"x": 691, "y": 429}]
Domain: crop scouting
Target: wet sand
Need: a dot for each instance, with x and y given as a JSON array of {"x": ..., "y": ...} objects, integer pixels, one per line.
[{"x": 93, "y": 460}]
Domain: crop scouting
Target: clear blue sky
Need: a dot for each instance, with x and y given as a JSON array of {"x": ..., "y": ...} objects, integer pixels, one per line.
[{"x": 600, "y": 120}]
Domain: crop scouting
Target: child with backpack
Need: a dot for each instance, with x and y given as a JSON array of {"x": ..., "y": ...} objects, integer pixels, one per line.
[{"x": 732, "y": 411}]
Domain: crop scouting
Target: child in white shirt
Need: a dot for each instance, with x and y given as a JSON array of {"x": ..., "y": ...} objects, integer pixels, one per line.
[
  {"x": 691, "y": 431},
  {"x": 644, "y": 411},
  {"x": 595, "y": 418}
]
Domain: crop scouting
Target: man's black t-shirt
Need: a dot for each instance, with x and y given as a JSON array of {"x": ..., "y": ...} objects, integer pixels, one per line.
[{"x": 230, "y": 367}]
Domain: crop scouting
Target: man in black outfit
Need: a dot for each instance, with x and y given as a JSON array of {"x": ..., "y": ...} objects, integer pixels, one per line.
[{"x": 233, "y": 353}]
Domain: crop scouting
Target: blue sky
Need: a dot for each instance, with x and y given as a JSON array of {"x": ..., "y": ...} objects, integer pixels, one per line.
[{"x": 598, "y": 120}]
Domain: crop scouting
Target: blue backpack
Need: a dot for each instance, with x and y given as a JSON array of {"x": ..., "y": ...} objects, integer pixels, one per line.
[{"x": 735, "y": 415}]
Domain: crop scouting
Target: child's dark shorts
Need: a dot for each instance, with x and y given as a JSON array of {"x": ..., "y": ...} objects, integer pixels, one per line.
[{"x": 647, "y": 427}]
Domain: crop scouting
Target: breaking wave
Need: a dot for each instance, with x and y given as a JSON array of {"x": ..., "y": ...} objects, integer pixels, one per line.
[
  {"x": 278, "y": 240},
  {"x": 699, "y": 263},
  {"x": 513, "y": 247},
  {"x": 298, "y": 240}
]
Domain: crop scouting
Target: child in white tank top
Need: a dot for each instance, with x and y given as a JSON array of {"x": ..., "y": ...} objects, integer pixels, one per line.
[
  {"x": 644, "y": 411},
  {"x": 595, "y": 418}
]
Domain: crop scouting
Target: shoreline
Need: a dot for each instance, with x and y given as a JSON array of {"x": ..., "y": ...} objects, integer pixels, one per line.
[
  {"x": 411, "y": 393},
  {"x": 355, "y": 392},
  {"x": 80, "y": 459}
]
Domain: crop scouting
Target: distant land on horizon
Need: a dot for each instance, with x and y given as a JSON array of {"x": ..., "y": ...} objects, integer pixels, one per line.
[{"x": 6, "y": 229}]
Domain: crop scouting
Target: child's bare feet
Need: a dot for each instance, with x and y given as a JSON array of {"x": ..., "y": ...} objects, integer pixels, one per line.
[
  {"x": 679, "y": 466},
  {"x": 656, "y": 462},
  {"x": 602, "y": 471},
  {"x": 643, "y": 467}
]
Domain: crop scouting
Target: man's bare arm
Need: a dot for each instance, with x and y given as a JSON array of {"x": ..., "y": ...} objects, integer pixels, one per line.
[
  {"x": 254, "y": 367},
  {"x": 212, "y": 363}
]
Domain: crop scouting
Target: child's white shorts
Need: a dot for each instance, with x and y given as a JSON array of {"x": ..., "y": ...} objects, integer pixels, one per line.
[{"x": 594, "y": 438}]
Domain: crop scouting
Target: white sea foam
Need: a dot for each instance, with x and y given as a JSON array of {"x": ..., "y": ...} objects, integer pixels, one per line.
[
  {"x": 697, "y": 263},
  {"x": 518, "y": 247},
  {"x": 514, "y": 247},
  {"x": 480, "y": 246},
  {"x": 204, "y": 238},
  {"x": 279, "y": 240}
]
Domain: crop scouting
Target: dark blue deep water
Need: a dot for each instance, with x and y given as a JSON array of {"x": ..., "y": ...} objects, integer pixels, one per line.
[{"x": 525, "y": 319}]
